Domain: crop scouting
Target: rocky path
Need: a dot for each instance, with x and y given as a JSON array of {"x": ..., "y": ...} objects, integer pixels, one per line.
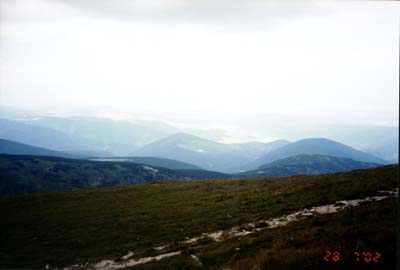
[{"x": 237, "y": 231}]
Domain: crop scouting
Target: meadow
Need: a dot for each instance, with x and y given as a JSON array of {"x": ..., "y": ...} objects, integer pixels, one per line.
[{"x": 89, "y": 225}]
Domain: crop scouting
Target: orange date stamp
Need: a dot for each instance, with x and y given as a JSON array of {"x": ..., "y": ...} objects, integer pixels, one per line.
[{"x": 358, "y": 256}]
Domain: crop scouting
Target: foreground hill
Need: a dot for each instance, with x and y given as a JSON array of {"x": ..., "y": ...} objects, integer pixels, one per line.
[
  {"x": 308, "y": 164},
  {"x": 88, "y": 226},
  {"x": 318, "y": 146},
  {"x": 153, "y": 161},
  {"x": 28, "y": 174},
  {"x": 206, "y": 153},
  {"x": 15, "y": 148}
]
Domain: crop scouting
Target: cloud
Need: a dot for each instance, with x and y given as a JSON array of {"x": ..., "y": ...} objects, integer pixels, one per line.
[
  {"x": 170, "y": 55},
  {"x": 19, "y": 11},
  {"x": 233, "y": 12}
]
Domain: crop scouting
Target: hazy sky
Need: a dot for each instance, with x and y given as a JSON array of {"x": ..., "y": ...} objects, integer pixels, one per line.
[{"x": 333, "y": 60}]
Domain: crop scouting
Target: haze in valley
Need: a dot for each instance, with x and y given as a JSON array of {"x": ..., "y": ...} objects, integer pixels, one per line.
[{"x": 224, "y": 70}]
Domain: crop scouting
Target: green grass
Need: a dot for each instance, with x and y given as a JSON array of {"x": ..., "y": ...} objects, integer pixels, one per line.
[
  {"x": 88, "y": 225},
  {"x": 302, "y": 245}
]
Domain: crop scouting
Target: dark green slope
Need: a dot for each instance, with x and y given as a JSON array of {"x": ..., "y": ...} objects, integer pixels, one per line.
[
  {"x": 28, "y": 174},
  {"x": 308, "y": 164},
  {"x": 153, "y": 161}
]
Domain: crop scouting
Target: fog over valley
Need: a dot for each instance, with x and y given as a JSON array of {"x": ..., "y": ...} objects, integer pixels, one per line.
[{"x": 334, "y": 61}]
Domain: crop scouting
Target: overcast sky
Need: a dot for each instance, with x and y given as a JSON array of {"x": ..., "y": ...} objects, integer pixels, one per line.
[{"x": 326, "y": 59}]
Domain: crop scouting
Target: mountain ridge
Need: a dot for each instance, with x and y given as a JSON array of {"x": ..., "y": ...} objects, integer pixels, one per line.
[
  {"x": 319, "y": 146},
  {"x": 42, "y": 137},
  {"x": 16, "y": 148},
  {"x": 205, "y": 153},
  {"x": 308, "y": 165}
]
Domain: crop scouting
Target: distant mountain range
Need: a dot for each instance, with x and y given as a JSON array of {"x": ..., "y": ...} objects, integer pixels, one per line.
[
  {"x": 95, "y": 136},
  {"x": 27, "y": 174},
  {"x": 158, "y": 145},
  {"x": 118, "y": 137},
  {"x": 15, "y": 148},
  {"x": 307, "y": 164},
  {"x": 207, "y": 154},
  {"x": 33, "y": 169},
  {"x": 232, "y": 158},
  {"x": 317, "y": 146},
  {"x": 386, "y": 149},
  {"x": 43, "y": 137},
  {"x": 80, "y": 134},
  {"x": 379, "y": 141},
  {"x": 180, "y": 147}
]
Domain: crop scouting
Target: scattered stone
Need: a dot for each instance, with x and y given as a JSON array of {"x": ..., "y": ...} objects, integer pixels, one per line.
[
  {"x": 196, "y": 260},
  {"x": 193, "y": 240},
  {"x": 127, "y": 256},
  {"x": 236, "y": 231},
  {"x": 340, "y": 203},
  {"x": 112, "y": 265},
  {"x": 216, "y": 236},
  {"x": 159, "y": 248}
]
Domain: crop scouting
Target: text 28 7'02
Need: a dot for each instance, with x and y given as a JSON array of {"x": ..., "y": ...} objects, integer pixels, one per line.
[{"x": 359, "y": 256}]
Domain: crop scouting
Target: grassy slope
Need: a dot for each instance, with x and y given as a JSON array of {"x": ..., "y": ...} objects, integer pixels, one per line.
[
  {"x": 88, "y": 225},
  {"x": 303, "y": 244}
]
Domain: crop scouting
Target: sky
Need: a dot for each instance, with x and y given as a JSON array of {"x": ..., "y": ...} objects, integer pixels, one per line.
[{"x": 333, "y": 60}]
